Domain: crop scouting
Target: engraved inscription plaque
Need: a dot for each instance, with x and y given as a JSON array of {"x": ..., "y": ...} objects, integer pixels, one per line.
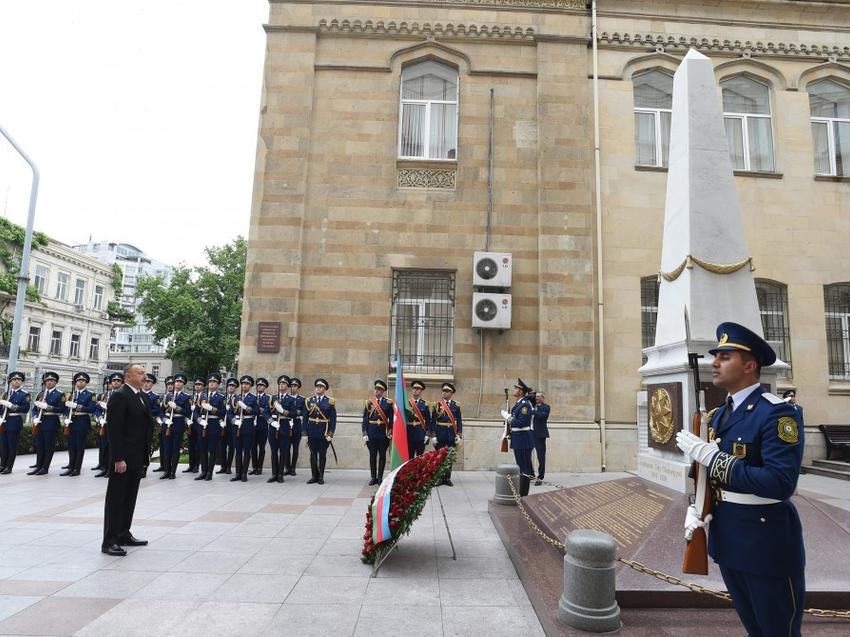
[{"x": 268, "y": 337}]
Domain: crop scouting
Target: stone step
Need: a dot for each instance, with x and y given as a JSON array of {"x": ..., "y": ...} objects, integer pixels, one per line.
[
  {"x": 840, "y": 465},
  {"x": 823, "y": 471}
]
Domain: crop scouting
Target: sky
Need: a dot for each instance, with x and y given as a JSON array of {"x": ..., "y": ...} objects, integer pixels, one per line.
[{"x": 141, "y": 117}]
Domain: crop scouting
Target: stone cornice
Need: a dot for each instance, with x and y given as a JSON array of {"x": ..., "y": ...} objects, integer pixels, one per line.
[
  {"x": 425, "y": 29},
  {"x": 572, "y": 6},
  {"x": 670, "y": 43}
]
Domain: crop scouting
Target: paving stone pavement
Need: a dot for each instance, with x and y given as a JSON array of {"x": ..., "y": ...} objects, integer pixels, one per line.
[{"x": 255, "y": 558}]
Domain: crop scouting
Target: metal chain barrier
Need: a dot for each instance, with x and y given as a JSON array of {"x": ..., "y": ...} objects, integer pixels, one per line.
[{"x": 642, "y": 568}]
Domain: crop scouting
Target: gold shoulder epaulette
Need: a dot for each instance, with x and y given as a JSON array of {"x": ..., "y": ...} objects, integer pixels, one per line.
[
  {"x": 332, "y": 401},
  {"x": 368, "y": 402},
  {"x": 710, "y": 414},
  {"x": 390, "y": 401}
]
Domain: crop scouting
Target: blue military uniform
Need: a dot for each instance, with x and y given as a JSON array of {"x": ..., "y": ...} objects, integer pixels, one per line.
[
  {"x": 280, "y": 420},
  {"x": 47, "y": 420},
  {"x": 540, "y": 427},
  {"x": 80, "y": 423},
  {"x": 12, "y": 418},
  {"x": 299, "y": 411},
  {"x": 193, "y": 428},
  {"x": 377, "y": 426},
  {"x": 227, "y": 446},
  {"x": 321, "y": 425},
  {"x": 447, "y": 425},
  {"x": 100, "y": 420},
  {"x": 419, "y": 423},
  {"x": 212, "y": 406},
  {"x": 159, "y": 417},
  {"x": 154, "y": 407},
  {"x": 755, "y": 535},
  {"x": 244, "y": 422},
  {"x": 261, "y": 429},
  {"x": 522, "y": 438},
  {"x": 175, "y": 425}
]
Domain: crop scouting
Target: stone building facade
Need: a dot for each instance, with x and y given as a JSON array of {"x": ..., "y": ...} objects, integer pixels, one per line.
[{"x": 371, "y": 197}]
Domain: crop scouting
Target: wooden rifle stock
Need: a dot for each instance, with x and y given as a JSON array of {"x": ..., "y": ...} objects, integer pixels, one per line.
[
  {"x": 695, "y": 560},
  {"x": 506, "y": 435}
]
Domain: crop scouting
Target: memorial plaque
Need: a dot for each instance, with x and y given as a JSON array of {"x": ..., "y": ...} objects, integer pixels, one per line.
[
  {"x": 664, "y": 409},
  {"x": 626, "y": 509},
  {"x": 268, "y": 337}
]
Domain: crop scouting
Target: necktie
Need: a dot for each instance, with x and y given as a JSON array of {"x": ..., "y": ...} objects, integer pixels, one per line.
[{"x": 728, "y": 411}]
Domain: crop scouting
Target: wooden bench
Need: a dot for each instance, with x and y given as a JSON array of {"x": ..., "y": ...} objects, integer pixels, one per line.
[{"x": 837, "y": 439}]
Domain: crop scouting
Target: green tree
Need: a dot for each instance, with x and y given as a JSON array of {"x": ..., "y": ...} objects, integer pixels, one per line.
[
  {"x": 199, "y": 312},
  {"x": 11, "y": 247}
]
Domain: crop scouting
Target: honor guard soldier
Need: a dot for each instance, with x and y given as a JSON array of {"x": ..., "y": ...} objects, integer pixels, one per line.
[
  {"x": 46, "y": 412},
  {"x": 210, "y": 423},
  {"x": 227, "y": 448},
  {"x": 279, "y": 427},
  {"x": 154, "y": 406},
  {"x": 753, "y": 461},
  {"x": 420, "y": 421},
  {"x": 321, "y": 425},
  {"x": 245, "y": 408},
  {"x": 160, "y": 420},
  {"x": 193, "y": 429},
  {"x": 522, "y": 438},
  {"x": 100, "y": 433},
  {"x": 16, "y": 403},
  {"x": 261, "y": 428},
  {"x": 377, "y": 430},
  {"x": 178, "y": 406},
  {"x": 540, "y": 427},
  {"x": 447, "y": 424},
  {"x": 79, "y": 405},
  {"x": 299, "y": 410}
]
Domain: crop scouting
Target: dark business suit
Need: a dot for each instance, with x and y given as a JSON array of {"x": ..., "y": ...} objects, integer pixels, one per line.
[{"x": 129, "y": 435}]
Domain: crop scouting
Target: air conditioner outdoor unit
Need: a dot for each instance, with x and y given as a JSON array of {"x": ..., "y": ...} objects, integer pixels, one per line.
[
  {"x": 491, "y": 310},
  {"x": 492, "y": 269}
]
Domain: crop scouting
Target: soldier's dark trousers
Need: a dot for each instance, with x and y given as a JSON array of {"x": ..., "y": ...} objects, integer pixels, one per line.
[
  {"x": 437, "y": 447},
  {"x": 162, "y": 429},
  {"x": 523, "y": 459},
  {"x": 767, "y": 606},
  {"x": 9, "y": 449},
  {"x": 244, "y": 444},
  {"x": 192, "y": 447},
  {"x": 415, "y": 442},
  {"x": 258, "y": 449},
  {"x": 209, "y": 449},
  {"x": 46, "y": 440},
  {"x": 290, "y": 457},
  {"x": 377, "y": 457},
  {"x": 540, "y": 448},
  {"x": 102, "y": 452},
  {"x": 277, "y": 443},
  {"x": 318, "y": 456}
]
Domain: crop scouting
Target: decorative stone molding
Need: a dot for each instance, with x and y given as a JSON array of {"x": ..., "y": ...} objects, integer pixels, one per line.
[
  {"x": 576, "y": 5},
  {"x": 681, "y": 43},
  {"x": 425, "y": 29},
  {"x": 434, "y": 178}
]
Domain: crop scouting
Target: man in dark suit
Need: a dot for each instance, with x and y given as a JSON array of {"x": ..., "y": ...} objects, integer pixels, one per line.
[
  {"x": 540, "y": 426},
  {"x": 129, "y": 436}
]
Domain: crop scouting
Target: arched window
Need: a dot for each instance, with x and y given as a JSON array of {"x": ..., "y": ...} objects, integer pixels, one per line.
[
  {"x": 836, "y": 301},
  {"x": 653, "y": 108},
  {"x": 746, "y": 111},
  {"x": 773, "y": 307},
  {"x": 829, "y": 103},
  {"x": 427, "y": 126}
]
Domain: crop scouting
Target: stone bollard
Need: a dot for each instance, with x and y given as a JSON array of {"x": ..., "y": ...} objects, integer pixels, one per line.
[
  {"x": 504, "y": 495},
  {"x": 588, "y": 601}
]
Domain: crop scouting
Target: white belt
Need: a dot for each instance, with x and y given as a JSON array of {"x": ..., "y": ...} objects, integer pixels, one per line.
[
  {"x": 745, "y": 498},
  {"x": 520, "y": 429}
]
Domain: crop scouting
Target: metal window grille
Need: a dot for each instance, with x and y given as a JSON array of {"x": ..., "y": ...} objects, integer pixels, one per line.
[
  {"x": 836, "y": 300},
  {"x": 648, "y": 310},
  {"x": 422, "y": 320},
  {"x": 773, "y": 307}
]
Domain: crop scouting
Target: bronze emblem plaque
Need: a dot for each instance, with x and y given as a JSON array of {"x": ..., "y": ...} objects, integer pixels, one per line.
[{"x": 664, "y": 411}]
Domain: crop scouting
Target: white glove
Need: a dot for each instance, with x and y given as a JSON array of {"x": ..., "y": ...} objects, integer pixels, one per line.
[
  {"x": 41, "y": 404},
  {"x": 70, "y": 404},
  {"x": 172, "y": 404},
  {"x": 242, "y": 404},
  {"x": 427, "y": 440},
  {"x": 278, "y": 408},
  {"x": 275, "y": 424},
  {"x": 159, "y": 420},
  {"x": 457, "y": 440},
  {"x": 5, "y": 403},
  {"x": 102, "y": 404},
  {"x": 328, "y": 438},
  {"x": 695, "y": 448},
  {"x": 365, "y": 439},
  {"x": 505, "y": 414},
  {"x": 206, "y": 406},
  {"x": 692, "y": 522}
]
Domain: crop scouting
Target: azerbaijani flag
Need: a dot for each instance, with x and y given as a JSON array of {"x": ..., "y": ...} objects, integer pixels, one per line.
[
  {"x": 381, "y": 509},
  {"x": 398, "y": 448}
]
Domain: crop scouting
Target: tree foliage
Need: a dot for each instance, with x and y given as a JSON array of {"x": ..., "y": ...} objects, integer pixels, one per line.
[
  {"x": 198, "y": 313},
  {"x": 11, "y": 247}
]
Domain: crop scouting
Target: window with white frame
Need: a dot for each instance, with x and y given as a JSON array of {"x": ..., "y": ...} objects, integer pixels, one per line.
[
  {"x": 34, "y": 338},
  {"x": 56, "y": 343},
  {"x": 653, "y": 93},
  {"x": 75, "y": 346},
  {"x": 62, "y": 282},
  {"x": 94, "y": 349},
  {"x": 829, "y": 103},
  {"x": 80, "y": 292},
  {"x": 98, "y": 297},
  {"x": 427, "y": 127},
  {"x": 422, "y": 319},
  {"x": 746, "y": 112},
  {"x": 42, "y": 273}
]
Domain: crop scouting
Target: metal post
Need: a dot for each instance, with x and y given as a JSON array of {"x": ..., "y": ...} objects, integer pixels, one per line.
[{"x": 24, "y": 273}]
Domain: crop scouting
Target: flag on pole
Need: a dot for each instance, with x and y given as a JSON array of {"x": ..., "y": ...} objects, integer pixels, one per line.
[{"x": 398, "y": 448}]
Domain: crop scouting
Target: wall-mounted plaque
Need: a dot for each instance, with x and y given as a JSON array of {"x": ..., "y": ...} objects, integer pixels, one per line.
[
  {"x": 664, "y": 406},
  {"x": 268, "y": 337}
]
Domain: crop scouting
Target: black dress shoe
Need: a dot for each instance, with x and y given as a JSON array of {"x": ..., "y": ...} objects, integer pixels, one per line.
[
  {"x": 67, "y": 472},
  {"x": 538, "y": 482},
  {"x": 244, "y": 477},
  {"x": 160, "y": 470},
  {"x": 201, "y": 477},
  {"x": 221, "y": 470},
  {"x": 449, "y": 483},
  {"x": 132, "y": 541},
  {"x": 165, "y": 476},
  {"x": 312, "y": 481},
  {"x": 33, "y": 472},
  {"x": 280, "y": 479},
  {"x": 6, "y": 471},
  {"x": 372, "y": 482},
  {"x": 41, "y": 472},
  {"x": 189, "y": 470},
  {"x": 236, "y": 478},
  {"x": 272, "y": 479},
  {"x": 320, "y": 481},
  {"x": 67, "y": 466},
  {"x": 291, "y": 472},
  {"x": 97, "y": 468},
  {"x": 102, "y": 474},
  {"x": 33, "y": 466},
  {"x": 113, "y": 549},
  {"x": 208, "y": 477}
]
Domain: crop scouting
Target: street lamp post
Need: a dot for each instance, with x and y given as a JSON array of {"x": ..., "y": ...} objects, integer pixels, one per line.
[{"x": 24, "y": 273}]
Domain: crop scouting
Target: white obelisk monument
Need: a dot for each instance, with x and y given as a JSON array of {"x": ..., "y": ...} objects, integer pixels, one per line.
[{"x": 705, "y": 266}]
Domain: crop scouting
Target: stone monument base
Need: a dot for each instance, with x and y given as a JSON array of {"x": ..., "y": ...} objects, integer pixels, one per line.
[{"x": 672, "y": 474}]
